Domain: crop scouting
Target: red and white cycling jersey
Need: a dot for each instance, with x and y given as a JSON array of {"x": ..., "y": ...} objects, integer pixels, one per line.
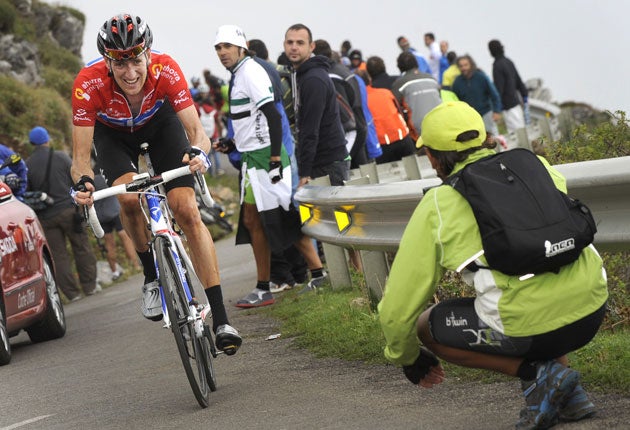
[{"x": 96, "y": 96}]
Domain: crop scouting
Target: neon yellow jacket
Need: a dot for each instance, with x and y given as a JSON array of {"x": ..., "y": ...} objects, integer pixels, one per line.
[{"x": 442, "y": 234}]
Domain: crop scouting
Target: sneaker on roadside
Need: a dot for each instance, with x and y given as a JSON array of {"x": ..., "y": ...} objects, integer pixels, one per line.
[
  {"x": 314, "y": 284},
  {"x": 97, "y": 289},
  {"x": 255, "y": 299},
  {"x": 227, "y": 339},
  {"x": 577, "y": 406},
  {"x": 544, "y": 395},
  {"x": 278, "y": 288},
  {"x": 151, "y": 301},
  {"x": 117, "y": 274}
]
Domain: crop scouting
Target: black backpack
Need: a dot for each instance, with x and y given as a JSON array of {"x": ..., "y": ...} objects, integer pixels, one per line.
[{"x": 527, "y": 225}]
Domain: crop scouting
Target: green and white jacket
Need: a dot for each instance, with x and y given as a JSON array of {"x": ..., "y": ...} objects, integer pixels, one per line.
[{"x": 442, "y": 234}]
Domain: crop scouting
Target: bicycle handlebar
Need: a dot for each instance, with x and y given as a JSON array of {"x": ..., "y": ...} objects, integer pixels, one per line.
[{"x": 140, "y": 183}]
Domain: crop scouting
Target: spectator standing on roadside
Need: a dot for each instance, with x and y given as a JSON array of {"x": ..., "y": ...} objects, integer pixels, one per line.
[
  {"x": 379, "y": 78},
  {"x": 444, "y": 63},
  {"x": 269, "y": 221},
  {"x": 423, "y": 64},
  {"x": 416, "y": 92},
  {"x": 15, "y": 174},
  {"x": 356, "y": 60},
  {"x": 519, "y": 326},
  {"x": 288, "y": 267},
  {"x": 391, "y": 128},
  {"x": 346, "y": 85},
  {"x": 108, "y": 211},
  {"x": 511, "y": 88},
  {"x": 475, "y": 88},
  {"x": 434, "y": 54},
  {"x": 210, "y": 118},
  {"x": 62, "y": 221}
]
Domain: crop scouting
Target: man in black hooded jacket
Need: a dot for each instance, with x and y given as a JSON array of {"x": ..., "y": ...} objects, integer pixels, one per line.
[{"x": 321, "y": 147}]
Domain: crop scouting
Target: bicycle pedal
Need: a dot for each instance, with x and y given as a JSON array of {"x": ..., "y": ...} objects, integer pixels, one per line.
[{"x": 230, "y": 350}]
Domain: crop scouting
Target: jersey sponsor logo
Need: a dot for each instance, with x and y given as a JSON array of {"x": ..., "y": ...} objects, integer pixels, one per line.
[
  {"x": 81, "y": 95},
  {"x": 156, "y": 69},
  {"x": 552, "y": 249},
  {"x": 182, "y": 97},
  {"x": 171, "y": 74},
  {"x": 80, "y": 115}
]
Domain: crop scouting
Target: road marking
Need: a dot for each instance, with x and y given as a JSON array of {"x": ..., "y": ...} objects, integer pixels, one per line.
[{"x": 23, "y": 423}]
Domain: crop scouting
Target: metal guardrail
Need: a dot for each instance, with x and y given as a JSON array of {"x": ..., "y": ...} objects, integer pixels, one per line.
[{"x": 373, "y": 217}]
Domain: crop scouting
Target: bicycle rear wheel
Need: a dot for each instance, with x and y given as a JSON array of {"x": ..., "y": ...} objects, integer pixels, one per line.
[{"x": 192, "y": 350}]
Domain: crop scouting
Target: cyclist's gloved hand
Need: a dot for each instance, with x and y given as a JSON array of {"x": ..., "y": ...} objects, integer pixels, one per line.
[
  {"x": 275, "y": 171},
  {"x": 226, "y": 145},
  {"x": 80, "y": 187},
  {"x": 419, "y": 369},
  {"x": 195, "y": 151}
]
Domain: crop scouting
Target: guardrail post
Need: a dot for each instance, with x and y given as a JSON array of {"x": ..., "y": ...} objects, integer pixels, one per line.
[
  {"x": 337, "y": 267},
  {"x": 375, "y": 271},
  {"x": 369, "y": 170},
  {"x": 412, "y": 169}
]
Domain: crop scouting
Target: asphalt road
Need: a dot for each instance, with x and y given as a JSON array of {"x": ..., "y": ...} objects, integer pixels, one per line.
[{"x": 116, "y": 370}]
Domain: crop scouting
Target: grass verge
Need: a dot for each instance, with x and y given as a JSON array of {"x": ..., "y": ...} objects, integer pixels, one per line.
[{"x": 341, "y": 324}]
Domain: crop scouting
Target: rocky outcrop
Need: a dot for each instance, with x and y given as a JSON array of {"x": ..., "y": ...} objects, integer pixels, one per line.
[{"x": 19, "y": 58}]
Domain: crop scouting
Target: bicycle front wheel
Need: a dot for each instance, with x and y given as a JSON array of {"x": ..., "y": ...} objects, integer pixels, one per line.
[{"x": 191, "y": 349}]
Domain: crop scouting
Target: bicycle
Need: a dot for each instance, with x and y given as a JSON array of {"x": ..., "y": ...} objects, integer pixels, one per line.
[{"x": 182, "y": 311}]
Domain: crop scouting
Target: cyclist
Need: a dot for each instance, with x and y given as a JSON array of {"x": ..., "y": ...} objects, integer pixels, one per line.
[{"x": 129, "y": 96}]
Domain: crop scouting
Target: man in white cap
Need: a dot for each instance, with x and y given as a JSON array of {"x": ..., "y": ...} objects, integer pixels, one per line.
[{"x": 268, "y": 218}]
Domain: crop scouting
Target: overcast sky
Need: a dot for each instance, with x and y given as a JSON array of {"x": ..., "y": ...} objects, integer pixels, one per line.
[{"x": 578, "y": 47}]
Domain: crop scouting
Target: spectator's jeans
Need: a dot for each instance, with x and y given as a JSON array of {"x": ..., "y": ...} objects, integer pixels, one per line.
[
  {"x": 57, "y": 229},
  {"x": 337, "y": 171}
]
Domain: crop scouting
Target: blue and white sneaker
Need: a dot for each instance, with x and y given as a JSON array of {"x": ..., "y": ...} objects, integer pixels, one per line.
[
  {"x": 577, "y": 406},
  {"x": 545, "y": 395}
]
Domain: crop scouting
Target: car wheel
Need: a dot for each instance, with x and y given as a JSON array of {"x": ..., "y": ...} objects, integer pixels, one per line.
[
  {"x": 53, "y": 325},
  {"x": 5, "y": 346}
]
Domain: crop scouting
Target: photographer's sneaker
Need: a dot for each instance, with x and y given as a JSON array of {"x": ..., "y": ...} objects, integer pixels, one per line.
[
  {"x": 151, "y": 301},
  {"x": 545, "y": 395},
  {"x": 577, "y": 406},
  {"x": 256, "y": 299},
  {"x": 227, "y": 339}
]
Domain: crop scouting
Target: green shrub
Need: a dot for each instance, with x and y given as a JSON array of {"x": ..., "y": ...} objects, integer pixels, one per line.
[
  {"x": 59, "y": 80},
  {"x": 57, "y": 57},
  {"x": 7, "y": 17}
]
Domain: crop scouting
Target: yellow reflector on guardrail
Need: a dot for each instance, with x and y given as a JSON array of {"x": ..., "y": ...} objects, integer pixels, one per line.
[
  {"x": 306, "y": 213},
  {"x": 343, "y": 220}
]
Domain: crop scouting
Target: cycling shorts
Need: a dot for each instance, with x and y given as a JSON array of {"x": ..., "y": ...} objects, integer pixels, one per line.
[
  {"x": 455, "y": 323},
  {"x": 117, "y": 152},
  {"x": 112, "y": 225}
]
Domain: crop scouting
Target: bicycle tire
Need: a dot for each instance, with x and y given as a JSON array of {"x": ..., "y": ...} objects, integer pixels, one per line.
[
  {"x": 190, "y": 348},
  {"x": 207, "y": 347}
]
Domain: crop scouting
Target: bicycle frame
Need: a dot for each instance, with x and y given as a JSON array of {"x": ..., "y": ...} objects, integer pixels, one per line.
[{"x": 158, "y": 218}]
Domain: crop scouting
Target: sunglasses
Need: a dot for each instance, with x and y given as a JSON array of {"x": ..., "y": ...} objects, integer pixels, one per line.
[{"x": 126, "y": 54}]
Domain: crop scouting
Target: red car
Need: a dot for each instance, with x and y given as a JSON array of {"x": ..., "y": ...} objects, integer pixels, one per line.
[{"x": 30, "y": 299}]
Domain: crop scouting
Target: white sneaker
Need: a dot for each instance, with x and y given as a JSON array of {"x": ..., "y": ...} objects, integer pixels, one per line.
[
  {"x": 275, "y": 288},
  {"x": 151, "y": 301}
]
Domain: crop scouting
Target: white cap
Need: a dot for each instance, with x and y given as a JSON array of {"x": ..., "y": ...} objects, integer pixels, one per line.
[{"x": 231, "y": 34}]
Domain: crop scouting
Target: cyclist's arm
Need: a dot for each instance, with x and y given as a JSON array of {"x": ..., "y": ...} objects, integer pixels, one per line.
[
  {"x": 195, "y": 132},
  {"x": 275, "y": 128},
  {"x": 81, "y": 152}
]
